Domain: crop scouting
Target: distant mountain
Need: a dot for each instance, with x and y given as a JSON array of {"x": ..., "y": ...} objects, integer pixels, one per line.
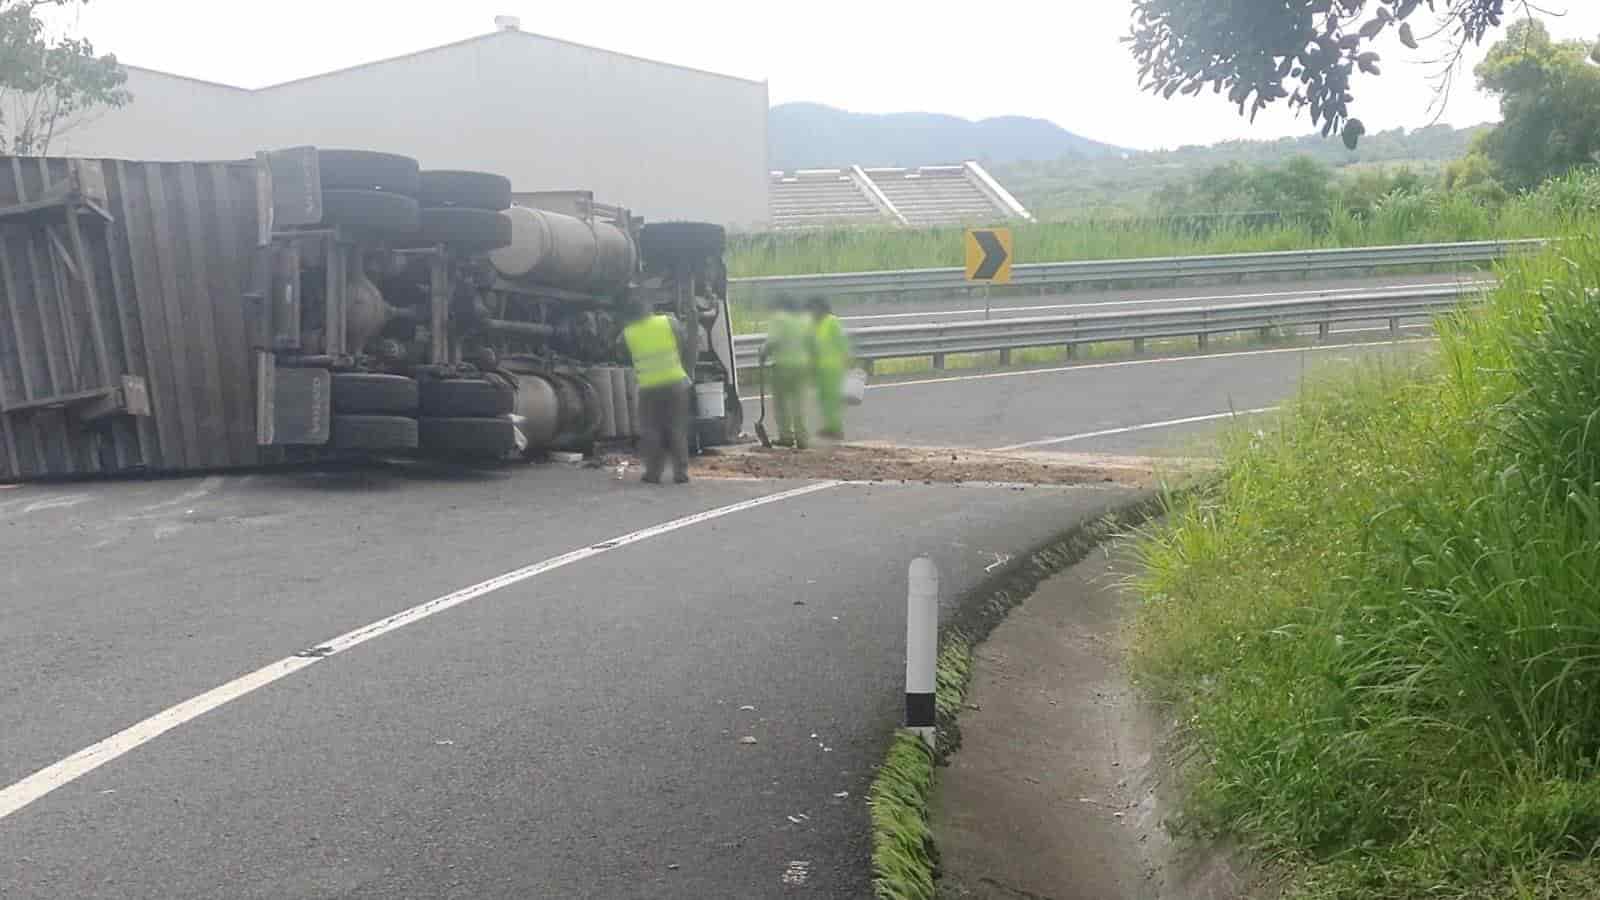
[{"x": 813, "y": 136}]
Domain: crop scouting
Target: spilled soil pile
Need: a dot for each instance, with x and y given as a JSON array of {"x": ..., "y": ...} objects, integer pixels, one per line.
[{"x": 888, "y": 463}]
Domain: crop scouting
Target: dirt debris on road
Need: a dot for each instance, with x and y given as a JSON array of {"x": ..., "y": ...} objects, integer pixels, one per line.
[{"x": 890, "y": 463}]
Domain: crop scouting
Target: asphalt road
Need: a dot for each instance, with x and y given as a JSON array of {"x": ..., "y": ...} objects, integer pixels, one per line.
[
  {"x": 575, "y": 733},
  {"x": 915, "y": 310},
  {"x": 571, "y": 731},
  {"x": 1144, "y": 405}
]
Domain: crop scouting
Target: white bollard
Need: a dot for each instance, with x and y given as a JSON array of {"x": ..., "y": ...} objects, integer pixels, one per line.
[{"x": 922, "y": 647}]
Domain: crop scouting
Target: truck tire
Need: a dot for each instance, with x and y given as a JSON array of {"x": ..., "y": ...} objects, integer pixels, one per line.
[
  {"x": 376, "y": 210},
  {"x": 478, "y": 230},
  {"x": 369, "y": 392},
  {"x": 466, "y": 398},
  {"x": 373, "y": 433},
  {"x": 468, "y": 436},
  {"x": 663, "y": 242},
  {"x": 367, "y": 170},
  {"x": 465, "y": 190}
]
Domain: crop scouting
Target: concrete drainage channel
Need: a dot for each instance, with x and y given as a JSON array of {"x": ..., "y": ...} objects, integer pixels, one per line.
[{"x": 905, "y": 856}]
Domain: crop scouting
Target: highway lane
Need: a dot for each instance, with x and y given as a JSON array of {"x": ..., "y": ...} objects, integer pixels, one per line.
[
  {"x": 998, "y": 409},
  {"x": 915, "y": 309},
  {"x": 574, "y": 734}
]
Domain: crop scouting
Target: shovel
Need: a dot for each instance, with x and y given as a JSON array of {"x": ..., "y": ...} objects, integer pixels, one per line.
[{"x": 761, "y": 423}]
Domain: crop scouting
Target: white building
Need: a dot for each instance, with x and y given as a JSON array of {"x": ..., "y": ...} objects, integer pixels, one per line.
[{"x": 667, "y": 141}]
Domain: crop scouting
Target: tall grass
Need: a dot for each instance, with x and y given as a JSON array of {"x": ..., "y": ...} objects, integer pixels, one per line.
[
  {"x": 1401, "y": 219},
  {"x": 1382, "y": 627}
]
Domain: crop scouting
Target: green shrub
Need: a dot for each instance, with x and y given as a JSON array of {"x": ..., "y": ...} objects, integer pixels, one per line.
[{"x": 1382, "y": 625}]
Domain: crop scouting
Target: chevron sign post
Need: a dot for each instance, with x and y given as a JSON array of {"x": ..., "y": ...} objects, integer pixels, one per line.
[{"x": 989, "y": 255}]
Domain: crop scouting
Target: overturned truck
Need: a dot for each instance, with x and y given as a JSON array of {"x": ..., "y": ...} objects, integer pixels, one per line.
[{"x": 313, "y": 304}]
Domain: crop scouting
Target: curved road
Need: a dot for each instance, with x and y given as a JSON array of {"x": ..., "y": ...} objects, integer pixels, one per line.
[{"x": 431, "y": 682}]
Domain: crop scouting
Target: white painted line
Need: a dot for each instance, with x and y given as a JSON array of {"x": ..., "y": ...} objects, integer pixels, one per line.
[
  {"x": 199, "y": 492},
  {"x": 1162, "y": 360},
  {"x": 65, "y": 501},
  {"x": 1008, "y": 310},
  {"x": 1049, "y": 442},
  {"x": 42, "y": 782}
]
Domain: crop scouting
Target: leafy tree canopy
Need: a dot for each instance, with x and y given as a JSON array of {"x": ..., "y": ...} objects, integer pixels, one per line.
[
  {"x": 1303, "y": 52},
  {"x": 1549, "y": 102},
  {"x": 46, "y": 82}
]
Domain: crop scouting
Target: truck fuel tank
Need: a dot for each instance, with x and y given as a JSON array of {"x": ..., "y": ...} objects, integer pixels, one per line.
[{"x": 565, "y": 251}]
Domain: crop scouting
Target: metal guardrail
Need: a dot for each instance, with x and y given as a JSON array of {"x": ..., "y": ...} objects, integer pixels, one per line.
[
  {"x": 1061, "y": 274},
  {"x": 941, "y": 338}
]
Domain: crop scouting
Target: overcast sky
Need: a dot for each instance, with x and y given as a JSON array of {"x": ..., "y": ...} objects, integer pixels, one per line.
[{"x": 1058, "y": 60}]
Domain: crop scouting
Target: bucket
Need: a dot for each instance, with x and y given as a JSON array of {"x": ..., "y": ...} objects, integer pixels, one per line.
[
  {"x": 710, "y": 400},
  {"x": 855, "y": 386}
]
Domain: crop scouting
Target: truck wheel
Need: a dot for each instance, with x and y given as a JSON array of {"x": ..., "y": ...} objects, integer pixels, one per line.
[
  {"x": 367, "y": 170},
  {"x": 376, "y": 210},
  {"x": 465, "y": 190},
  {"x": 457, "y": 398},
  {"x": 663, "y": 242},
  {"x": 470, "y": 436},
  {"x": 373, "y": 433},
  {"x": 478, "y": 230},
  {"x": 370, "y": 392}
]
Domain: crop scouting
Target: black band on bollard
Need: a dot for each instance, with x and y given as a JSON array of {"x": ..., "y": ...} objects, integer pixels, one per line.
[{"x": 921, "y": 711}]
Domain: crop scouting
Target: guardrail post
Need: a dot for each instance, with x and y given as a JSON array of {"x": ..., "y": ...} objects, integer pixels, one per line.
[
  {"x": 867, "y": 365},
  {"x": 1005, "y": 357},
  {"x": 1394, "y": 327},
  {"x": 922, "y": 648},
  {"x": 1072, "y": 351},
  {"x": 1203, "y": 340},
  {"x": 1138, "y": 345},
  {"x": 938, "y": 361},
  {"x": 1323, "y": 330}
]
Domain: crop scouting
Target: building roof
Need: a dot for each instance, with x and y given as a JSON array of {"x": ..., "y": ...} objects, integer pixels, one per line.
[{"x": 505, "y": 33}]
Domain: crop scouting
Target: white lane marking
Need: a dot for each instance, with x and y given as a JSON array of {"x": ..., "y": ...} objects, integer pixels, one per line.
[
  {"x": 1145, "y": 302},
  {"x": 1048, "y": 442},
  {"x": 1163, "y": 360},
  {"x": 205, "y": 487},
  {"x": 63, "y": 502},
  {"x": 42, "y": 782}
]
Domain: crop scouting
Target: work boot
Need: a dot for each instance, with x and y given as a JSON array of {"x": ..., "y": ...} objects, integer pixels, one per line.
[
  {"x": 651, "y": 479},
  {"x": 681, "y": 478}
]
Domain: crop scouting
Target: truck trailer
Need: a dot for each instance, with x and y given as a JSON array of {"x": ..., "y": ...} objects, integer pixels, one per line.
[{"x": 314, "y": 304}]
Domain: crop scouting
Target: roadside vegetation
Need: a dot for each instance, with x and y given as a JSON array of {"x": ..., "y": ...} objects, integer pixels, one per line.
[
  {"x": 1524, "y": 177},
  {"x": 1375, "y": 209},
  {"x": 1380, "y": 629}
]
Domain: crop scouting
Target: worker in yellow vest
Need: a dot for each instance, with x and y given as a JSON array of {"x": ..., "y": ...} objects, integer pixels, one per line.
[
  {"x": 789, "y": 346},
  {"x": 832, "y": 360},
  {"x": 654, "y": 344}
]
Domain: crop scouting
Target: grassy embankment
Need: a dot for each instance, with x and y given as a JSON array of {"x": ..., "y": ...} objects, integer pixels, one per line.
[
  {"x": 1380, "y": 629},
  {"x": 1429, "y": 219},
  {"x": 1406, "y": 220}
]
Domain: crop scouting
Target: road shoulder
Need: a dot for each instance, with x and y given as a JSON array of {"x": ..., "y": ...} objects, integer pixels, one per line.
[{"x": 1057, "y": 789}]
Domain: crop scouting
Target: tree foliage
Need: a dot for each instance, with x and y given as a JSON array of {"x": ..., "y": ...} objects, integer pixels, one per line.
[
  {"x": 47, "y": 83},
  {"x": 1306, "y": 53},
  {"x": 1549, "y": 102}
]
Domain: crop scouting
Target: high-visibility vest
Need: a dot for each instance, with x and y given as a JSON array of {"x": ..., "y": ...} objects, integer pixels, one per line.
[
  {"x": 833, "y": 348},
  {"x": 789, "y": 340},
  {"x": 654, "y": 348}
]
